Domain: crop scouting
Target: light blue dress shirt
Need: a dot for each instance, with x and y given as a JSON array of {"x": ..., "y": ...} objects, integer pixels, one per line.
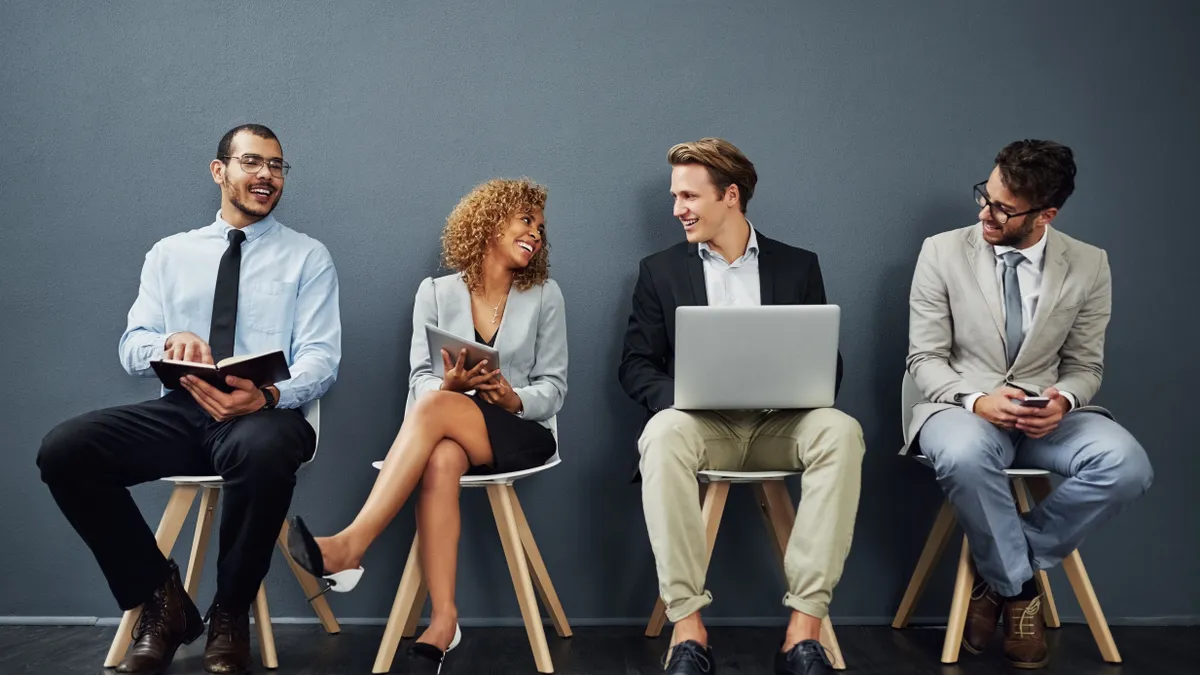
[{"x": 287, "y": 301}]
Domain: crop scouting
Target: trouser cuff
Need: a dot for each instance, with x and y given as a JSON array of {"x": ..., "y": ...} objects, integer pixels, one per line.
[
  {"x": 682, "y": 608},
  {"x": 815, "y": 609}
]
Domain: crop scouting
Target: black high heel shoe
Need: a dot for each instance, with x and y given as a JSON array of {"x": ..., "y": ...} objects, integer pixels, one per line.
[{"x": 304, "y": 550}]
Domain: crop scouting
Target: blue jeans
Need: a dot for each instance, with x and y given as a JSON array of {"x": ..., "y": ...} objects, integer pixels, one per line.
[{"x": 1105, "y": 470}]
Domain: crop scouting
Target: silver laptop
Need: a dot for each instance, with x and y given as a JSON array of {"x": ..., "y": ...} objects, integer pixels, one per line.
[{"x": 754, "y": 358}]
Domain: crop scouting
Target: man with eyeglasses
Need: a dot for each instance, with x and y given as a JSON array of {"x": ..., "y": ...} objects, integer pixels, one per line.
[
  {"x": 1006, "y": 344},
  {"x": 242, "y": 285}
]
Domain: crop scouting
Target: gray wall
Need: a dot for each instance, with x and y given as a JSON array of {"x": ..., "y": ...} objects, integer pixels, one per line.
[{"x": 868, "y": 125}]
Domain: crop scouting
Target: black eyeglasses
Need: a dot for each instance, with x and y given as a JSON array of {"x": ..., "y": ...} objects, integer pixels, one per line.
[
  {"x": 998, "y": 214},
  {"x": 252, "y": 163}
]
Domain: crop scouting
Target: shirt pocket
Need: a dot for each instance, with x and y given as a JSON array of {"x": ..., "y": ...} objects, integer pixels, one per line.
[{"x": 270, "y": 306}]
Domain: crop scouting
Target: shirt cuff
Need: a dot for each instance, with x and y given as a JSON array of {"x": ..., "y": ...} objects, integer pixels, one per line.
[
  {"x": 969, "y": 401},
  {"x": 1070, "y": 399},
  {"x": 287, "y": 396}
]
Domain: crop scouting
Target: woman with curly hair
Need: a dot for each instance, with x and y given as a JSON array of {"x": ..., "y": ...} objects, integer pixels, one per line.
[{"x": 476, "y": 420}]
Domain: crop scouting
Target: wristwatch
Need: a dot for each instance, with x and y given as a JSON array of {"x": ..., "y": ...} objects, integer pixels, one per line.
[{"x": 271, "y": 400}]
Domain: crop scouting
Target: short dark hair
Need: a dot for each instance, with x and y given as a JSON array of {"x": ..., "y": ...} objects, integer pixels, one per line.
[
  {"x": 725, "y": 163},
  {"x": 227, "y": 140},
  {"x": 1041, "y": 172}
]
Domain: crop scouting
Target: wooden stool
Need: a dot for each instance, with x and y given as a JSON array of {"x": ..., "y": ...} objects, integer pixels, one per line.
[
  {"x": 775, "y": 504},
  {"x": 1037, "y": 482},
  {"x": 523, "y": 557},
  {"x": 178, "y": 507}
]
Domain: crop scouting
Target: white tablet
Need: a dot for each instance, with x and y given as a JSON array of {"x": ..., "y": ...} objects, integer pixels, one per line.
[{"x": 439, "y": 339}]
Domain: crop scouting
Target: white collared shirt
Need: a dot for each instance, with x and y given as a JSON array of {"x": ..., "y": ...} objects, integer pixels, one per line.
[{"x": 732, "y": 284}]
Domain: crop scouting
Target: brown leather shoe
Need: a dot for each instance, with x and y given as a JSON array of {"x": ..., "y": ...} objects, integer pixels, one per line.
[
  {"x": 228, "y": 648},
  {"x": 1025, "y": 634},
  {"x": 983, "y": 615},
  {"x": 169, "y": 619}
]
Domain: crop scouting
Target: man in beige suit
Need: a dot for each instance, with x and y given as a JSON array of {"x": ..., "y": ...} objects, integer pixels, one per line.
[{"x": 1007, "y": 315}]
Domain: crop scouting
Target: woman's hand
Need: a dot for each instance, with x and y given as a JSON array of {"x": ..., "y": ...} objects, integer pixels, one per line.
[
  {"x": 459, "y": 379},
  {"x": 501, "y": 393}
]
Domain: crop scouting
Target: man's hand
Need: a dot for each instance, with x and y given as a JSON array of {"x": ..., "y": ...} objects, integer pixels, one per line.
[
  {"x": 187, "y": 347},
  {"x": 1037, "y": 422},
  {"x": 501, "y": 393},
  {"x": 998, "y": 409},
  {"x": 244, "y": 399},
  {"x": 459, "y": 379}
]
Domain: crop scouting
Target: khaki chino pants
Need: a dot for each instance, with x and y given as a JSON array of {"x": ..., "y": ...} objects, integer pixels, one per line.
[{"x": 826, "y": 444}]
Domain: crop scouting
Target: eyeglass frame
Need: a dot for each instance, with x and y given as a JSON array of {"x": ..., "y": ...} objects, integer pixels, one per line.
[
  {"x": 283, "y": 169},
  {"x": 993, "y": 209}
]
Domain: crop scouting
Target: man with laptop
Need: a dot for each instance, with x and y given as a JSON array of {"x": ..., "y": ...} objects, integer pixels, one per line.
[
  {"x": 741, "y": 378},
  {"x": 1006, "y": 344}
]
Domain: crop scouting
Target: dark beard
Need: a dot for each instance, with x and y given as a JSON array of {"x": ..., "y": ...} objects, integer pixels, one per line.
[
  {"x": 1016, "y": 238},
  {"x": 237, "y": 204}
]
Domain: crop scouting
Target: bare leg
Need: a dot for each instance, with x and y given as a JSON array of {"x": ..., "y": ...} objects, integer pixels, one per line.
[
  {"x": 437, "y": 416},
  {"x": 438, "y": 527}
]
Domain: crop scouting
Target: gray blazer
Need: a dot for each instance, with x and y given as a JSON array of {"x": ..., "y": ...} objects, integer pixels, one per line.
[
  {"x": 956, "y": 323},
  {"x": 532, "y": 341}
]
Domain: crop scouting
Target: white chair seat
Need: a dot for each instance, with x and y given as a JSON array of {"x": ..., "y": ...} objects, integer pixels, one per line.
[
  {"x": 1011, "y": 472},
  {"x": 744, "y": 476},
  {"x": 506, "y": 478},
  {"x": 204, "y": 481}
]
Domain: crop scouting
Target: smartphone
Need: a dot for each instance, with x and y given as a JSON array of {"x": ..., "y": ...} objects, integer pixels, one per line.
[{"x": 1035, "y": 402}]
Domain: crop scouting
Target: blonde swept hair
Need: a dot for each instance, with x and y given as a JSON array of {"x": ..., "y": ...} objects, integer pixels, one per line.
[
  {"x": 725, "y": 163},
  {"x": 478, "y": 218}
]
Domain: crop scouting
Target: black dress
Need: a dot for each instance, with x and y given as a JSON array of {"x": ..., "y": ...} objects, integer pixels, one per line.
[{"x": 517, "y": 443}]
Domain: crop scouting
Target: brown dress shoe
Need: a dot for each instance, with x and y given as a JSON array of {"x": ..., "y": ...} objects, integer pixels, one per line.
[
  {"x": 1025, "y": 634},
  {"x": 228, "y": 648},
  {"x": 983, "y": 615},
  {"x": 168, "y": 620}
]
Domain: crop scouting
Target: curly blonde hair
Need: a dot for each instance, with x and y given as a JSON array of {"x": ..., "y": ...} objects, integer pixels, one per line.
[{"x": 477, "y": 219}]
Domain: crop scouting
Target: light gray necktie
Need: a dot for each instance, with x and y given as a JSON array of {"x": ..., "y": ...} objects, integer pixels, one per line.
[{"x": 1012, "y": 304}]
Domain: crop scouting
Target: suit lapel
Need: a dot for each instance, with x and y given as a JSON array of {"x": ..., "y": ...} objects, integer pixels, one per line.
[
  {"x": 1054, "y": 274},
  {"x": 983, "y": 264},
  {"x": 462, "y": 323},
  {"x": 695, "y": 272},
  {"x": 766, "y": 274}
]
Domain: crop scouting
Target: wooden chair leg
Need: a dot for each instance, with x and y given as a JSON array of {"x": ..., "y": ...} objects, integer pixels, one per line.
[
  {"x": 935, "y": 545},
  {"x": 311, "y": 587},
  {"x": 775, "y": 503},
  {"x": 418, "y": 604},
  {"x": 541, "y": 576},
  {"x": 262, "y": 625},
  {"x": 204, "y": 523},
  {"x": 402, "y": 607},
  {"x": 1049, "y": 607},
  {"x": 1082, "y": 585},
  {"x": 168, "y": 531},
  {"x": 711, "y": 510},
  {"x": 501, "y": 498},
  {"x": 957, "y": 621}
]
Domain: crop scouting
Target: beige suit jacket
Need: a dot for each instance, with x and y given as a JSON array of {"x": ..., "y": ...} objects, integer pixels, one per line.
[{"x": 956, "y": 323}]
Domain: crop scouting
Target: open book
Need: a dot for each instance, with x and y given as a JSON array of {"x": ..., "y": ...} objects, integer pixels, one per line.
[{"x": 261, "y": 369}]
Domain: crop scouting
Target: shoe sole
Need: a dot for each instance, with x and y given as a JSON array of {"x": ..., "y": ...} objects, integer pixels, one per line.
[
  {"x": 967, "y": 646},
  {"x": 1028, "y": 665}
]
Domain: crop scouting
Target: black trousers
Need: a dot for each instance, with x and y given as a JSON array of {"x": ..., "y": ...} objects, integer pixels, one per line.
[{"x": 90, "y": 461}]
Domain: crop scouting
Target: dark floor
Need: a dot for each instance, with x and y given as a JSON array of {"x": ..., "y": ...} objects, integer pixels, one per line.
[{"x": 306, "y": 650}]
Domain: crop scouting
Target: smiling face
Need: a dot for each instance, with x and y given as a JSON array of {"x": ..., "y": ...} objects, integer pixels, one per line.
[
  {"x": 700, "y": 207},
  {"x": 519, "y": 239},
  {"x": 248, "y": 197},
  {"x": 1020, "y": 231}
]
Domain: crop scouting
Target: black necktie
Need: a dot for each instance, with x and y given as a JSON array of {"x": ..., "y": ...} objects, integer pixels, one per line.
[{"x": 225, "y": 298}]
